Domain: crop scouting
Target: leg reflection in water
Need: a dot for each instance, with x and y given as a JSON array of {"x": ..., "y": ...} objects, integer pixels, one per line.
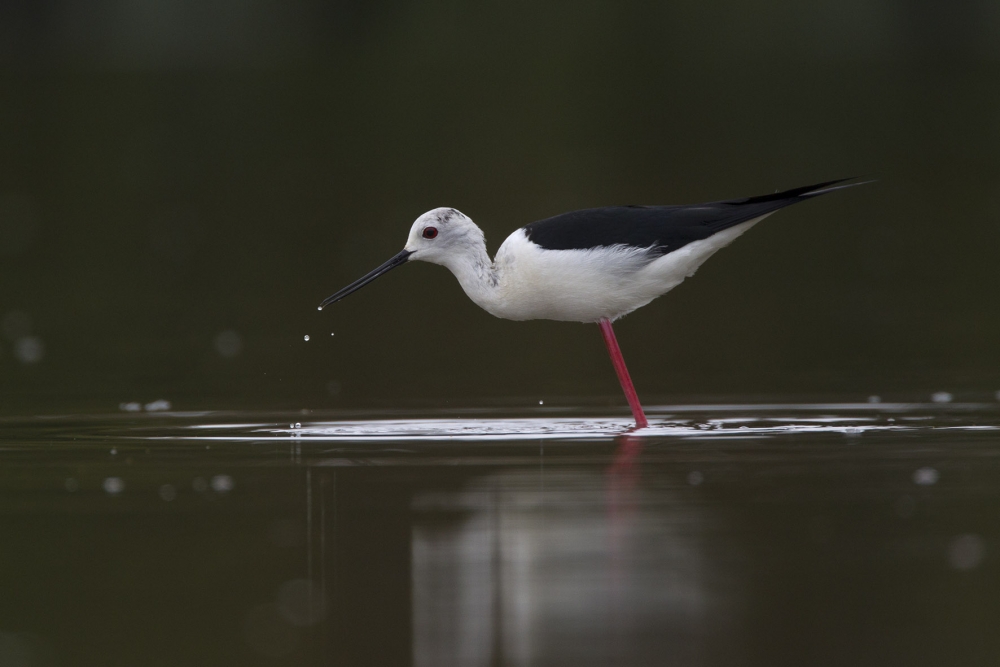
[{"x": 598, "y": 566}]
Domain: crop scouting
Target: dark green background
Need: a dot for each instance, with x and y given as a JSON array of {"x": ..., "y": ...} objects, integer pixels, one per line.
[{"x": 175, "y": 170}]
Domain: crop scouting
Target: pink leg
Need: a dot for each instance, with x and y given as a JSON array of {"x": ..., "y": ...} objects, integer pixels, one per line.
[{"x": 619, "y": 363}]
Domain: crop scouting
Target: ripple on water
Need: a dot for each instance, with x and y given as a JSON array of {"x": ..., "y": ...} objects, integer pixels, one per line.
[{"x": 686, "y": 422}]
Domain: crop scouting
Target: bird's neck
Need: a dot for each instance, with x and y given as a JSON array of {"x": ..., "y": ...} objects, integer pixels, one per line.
[{"x": 477, "y": 275}]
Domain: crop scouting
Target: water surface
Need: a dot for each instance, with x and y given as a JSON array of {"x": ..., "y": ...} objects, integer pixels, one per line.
[{"x": 722, "y": 535}]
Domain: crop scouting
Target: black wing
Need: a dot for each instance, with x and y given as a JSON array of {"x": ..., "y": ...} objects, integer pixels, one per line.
[{"x": 662, "y": 229}]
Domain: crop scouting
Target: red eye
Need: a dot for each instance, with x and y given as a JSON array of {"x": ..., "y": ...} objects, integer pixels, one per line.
[{"x": 430, "y": 232}]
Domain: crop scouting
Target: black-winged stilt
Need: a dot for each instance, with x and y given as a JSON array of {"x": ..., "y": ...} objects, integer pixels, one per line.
[{"x": 593, "y": 265}]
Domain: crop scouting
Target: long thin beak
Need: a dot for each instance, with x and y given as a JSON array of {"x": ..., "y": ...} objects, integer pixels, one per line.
[{"x": 397, "y": 260}]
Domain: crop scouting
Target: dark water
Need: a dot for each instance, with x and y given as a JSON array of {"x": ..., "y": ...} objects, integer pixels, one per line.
[
  {"x": 724, "y": 535},
  {"x": 181, "y": 184}
]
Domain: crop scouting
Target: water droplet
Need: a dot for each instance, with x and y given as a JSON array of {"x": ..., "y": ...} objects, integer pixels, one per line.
[
  {"x": 320, "y": 308},
  {"x": 695, "y": 478},
  {"x": 298, "y": 425},
  {"x": 941, "y": 397},
  {"x": 114, "y": 451},
  {"x": 306, "y": 337},
  {"x": 541, "y": 402},
  {"x": 158, "y": 406},
  {"x": 874, "y": 399},
  {"x": 113, "y": 485},
  {"x": 926, "y": 476},
  {"x": 333, "y": 334},
  {"x": 222, "y": 483}
]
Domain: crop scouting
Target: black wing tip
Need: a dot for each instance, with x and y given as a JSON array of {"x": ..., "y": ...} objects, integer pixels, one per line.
[
  {"x": 833, "y": 186},
  {"x": 807, "y": 191}
]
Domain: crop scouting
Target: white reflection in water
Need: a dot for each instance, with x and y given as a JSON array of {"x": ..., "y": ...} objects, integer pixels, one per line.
[
  {"x": 506, "y": 572},
  {"x": 541, "y": 428},
  {"x": 222, "y": 483},
  {"x": 113, "y": 485},
  {"x": 686, "y": 422}
]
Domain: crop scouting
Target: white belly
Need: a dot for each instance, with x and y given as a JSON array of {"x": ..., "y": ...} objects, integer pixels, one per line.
[{"x": 590, "y": 285}]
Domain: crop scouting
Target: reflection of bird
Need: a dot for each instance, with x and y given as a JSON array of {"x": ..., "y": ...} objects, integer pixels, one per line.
[{"x": 593, "y": 265}]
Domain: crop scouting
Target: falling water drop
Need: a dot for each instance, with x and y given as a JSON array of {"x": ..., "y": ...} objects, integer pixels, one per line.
[
  {"x": 113, "y": 485},
  {"x": 307, "y": 337},
  {"x": 926, "y": 476}
]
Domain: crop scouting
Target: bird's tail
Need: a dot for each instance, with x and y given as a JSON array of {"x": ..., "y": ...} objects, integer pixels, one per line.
[
  {"x": 806, "y": 191},
  {"x": 742, "y": 210}
]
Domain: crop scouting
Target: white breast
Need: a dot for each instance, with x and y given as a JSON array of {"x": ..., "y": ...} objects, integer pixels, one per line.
[{"x": 589, "y": 285}]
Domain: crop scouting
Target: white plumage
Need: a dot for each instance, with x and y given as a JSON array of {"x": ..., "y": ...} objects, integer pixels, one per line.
[
  {"x": 528, "y": 282},
  {"x": 585, "y": 266}
]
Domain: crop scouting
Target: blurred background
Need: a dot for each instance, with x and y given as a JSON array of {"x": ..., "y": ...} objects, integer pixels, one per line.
[{"x": 182, "y": 182}]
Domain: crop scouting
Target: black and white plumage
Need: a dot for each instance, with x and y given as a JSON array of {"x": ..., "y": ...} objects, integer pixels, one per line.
[
  {"x": 588, "y": 265},
  {"x": 662, "y": 229},
  {"x": 593, "y": 265}
]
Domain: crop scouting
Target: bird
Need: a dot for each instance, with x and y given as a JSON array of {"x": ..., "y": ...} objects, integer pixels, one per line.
[{"x": 592, "y": 266}]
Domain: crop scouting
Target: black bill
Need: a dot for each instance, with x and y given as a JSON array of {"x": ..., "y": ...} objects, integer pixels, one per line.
[{"x": 399, "y": 258}]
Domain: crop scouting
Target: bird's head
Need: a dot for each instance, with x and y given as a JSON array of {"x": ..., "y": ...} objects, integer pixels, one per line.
[
  {"x": 439, "y": 236},
  {"x": 442, "y": 234}
]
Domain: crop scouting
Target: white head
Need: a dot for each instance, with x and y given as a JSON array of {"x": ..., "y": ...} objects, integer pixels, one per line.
[{"x": 440, "y": 236}]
